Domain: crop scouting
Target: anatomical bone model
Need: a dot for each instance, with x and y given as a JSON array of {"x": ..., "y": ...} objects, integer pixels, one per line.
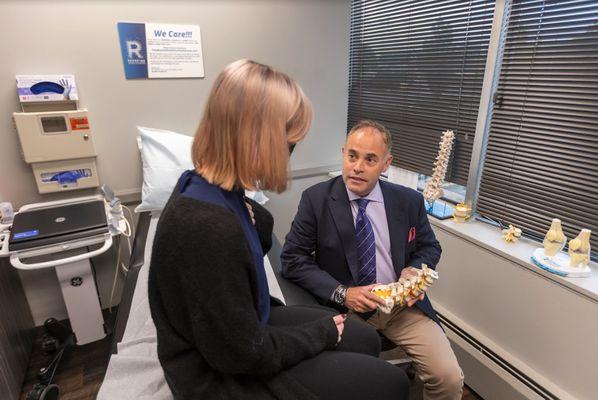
[
  {"x": 555, "y": 239},
  {"x": 552, "y": 259},
  {"x": 511, "y": 234},
  {"x": 579, "y": 249},
  {"x": 432, "y": 191},
  {"x": 398, "y": 293}
]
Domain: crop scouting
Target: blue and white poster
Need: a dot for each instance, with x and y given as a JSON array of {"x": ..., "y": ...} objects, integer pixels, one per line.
[{"x": 161, "y": 50}]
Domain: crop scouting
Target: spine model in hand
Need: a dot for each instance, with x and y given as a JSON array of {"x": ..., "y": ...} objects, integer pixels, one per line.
[{"x": 398, "y": 293}]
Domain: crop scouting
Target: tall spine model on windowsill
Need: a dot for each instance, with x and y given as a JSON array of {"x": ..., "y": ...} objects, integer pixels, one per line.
[{"x": 433, "y": 191}]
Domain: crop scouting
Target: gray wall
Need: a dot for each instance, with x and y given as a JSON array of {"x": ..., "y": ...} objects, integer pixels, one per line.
[
  {"x": 545, "y": 329},
  {"x": 283, "y": 207},
  {"x": 307, "y": 39}
]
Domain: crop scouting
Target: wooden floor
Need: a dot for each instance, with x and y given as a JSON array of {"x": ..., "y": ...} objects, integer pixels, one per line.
[
  {"x": 417, "y": 386},
  {"x": 82, "y": 369},
  {"x": 416, "y": 392},
  {"x": 79, "y": 374}
]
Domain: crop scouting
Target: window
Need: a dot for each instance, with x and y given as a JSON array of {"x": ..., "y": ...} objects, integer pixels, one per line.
[
  {"x": 417, "y": 67},
  {"x": 541, "y": 159}
]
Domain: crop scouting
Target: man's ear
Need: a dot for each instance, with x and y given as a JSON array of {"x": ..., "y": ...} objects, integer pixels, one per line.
[{"x": 387, "y": 162}]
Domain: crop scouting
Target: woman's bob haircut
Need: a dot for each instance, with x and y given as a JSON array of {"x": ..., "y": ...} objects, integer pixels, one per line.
[{"x": 252, "y": 116}]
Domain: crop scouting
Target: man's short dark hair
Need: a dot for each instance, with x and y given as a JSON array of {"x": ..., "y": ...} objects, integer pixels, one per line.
[{"x": 373, "y": 125}]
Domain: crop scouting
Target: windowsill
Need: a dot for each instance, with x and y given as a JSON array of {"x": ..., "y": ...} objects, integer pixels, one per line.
[{"x": 489, "y": 237}]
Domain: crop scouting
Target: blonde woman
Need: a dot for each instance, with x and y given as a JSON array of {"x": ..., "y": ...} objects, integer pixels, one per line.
[{"x": 219, "y": 335}]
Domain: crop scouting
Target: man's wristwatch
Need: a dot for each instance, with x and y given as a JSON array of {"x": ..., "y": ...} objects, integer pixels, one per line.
[{"x": 339, "y": 295}]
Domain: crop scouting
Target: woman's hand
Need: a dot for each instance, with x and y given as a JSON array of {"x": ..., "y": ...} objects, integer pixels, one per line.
[{"x": 339, "y": 321}]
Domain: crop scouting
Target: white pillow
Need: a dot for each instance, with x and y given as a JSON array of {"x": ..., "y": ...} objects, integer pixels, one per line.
[{"x": 165, "y": 156}]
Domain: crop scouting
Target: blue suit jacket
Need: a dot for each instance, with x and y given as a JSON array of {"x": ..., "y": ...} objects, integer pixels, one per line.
[{"x": 320, "y": 251}]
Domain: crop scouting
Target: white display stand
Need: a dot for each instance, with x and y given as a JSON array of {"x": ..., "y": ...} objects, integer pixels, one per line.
[{"x": 559, "y": 264}]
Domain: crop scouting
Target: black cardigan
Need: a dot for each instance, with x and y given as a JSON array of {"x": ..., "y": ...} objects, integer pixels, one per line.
[{"x": 203, "y": 294}]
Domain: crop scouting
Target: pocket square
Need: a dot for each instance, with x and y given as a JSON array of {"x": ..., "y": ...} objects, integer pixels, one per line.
[{"x": 411, "y": 235}]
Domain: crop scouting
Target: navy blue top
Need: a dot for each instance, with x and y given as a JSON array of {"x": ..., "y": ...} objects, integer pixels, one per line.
[{"x": 194, "y": 186}]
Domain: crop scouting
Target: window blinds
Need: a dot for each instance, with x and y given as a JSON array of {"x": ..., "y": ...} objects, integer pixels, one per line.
[
  {"x": 542, "y": 154},
  {"x": 417, "y": 67}
]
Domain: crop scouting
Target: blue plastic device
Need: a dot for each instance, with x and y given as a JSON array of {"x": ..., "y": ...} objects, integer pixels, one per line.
[{"x": 47, "y": 87}]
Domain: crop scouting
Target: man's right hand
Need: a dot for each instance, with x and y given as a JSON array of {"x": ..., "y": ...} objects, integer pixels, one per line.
[{"x": 359, "y": 299}]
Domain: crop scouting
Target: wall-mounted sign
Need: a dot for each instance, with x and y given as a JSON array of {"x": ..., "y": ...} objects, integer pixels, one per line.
[{"x": 161, "y": 50}]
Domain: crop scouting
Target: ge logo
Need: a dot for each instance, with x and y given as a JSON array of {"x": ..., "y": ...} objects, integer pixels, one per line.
[
  {"x": 60, "y": 219},
  {"x": 76, "y": 281}
]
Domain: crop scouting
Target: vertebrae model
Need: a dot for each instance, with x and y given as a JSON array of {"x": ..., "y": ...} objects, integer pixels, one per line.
[
  {"x": 511, "y": 234},
  {"x": 432, "y": 191},
  {"x": 398, "y": 293}
]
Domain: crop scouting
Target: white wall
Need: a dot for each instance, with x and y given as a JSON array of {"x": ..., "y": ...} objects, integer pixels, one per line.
[
  {"x": 307, "y": 39},
  {"x": 283, "y": 207},
  {"x": 548, "y": 331}
]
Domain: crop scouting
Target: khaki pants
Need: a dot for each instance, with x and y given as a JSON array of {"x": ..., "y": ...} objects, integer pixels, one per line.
[{"x": 426, "y": 343}]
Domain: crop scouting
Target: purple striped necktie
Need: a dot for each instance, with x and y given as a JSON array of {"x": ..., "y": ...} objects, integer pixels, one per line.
[{"x": 366, "y": 245}]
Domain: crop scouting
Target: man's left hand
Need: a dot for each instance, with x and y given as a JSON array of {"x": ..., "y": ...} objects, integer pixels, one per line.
[{"x": 407, "y": 273}]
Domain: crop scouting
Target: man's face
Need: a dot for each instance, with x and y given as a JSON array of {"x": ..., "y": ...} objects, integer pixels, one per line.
[{"x": 364, "y": 159}]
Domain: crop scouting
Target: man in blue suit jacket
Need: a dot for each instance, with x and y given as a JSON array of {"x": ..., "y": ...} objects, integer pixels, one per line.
[{"x": 355, "y": 231}]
